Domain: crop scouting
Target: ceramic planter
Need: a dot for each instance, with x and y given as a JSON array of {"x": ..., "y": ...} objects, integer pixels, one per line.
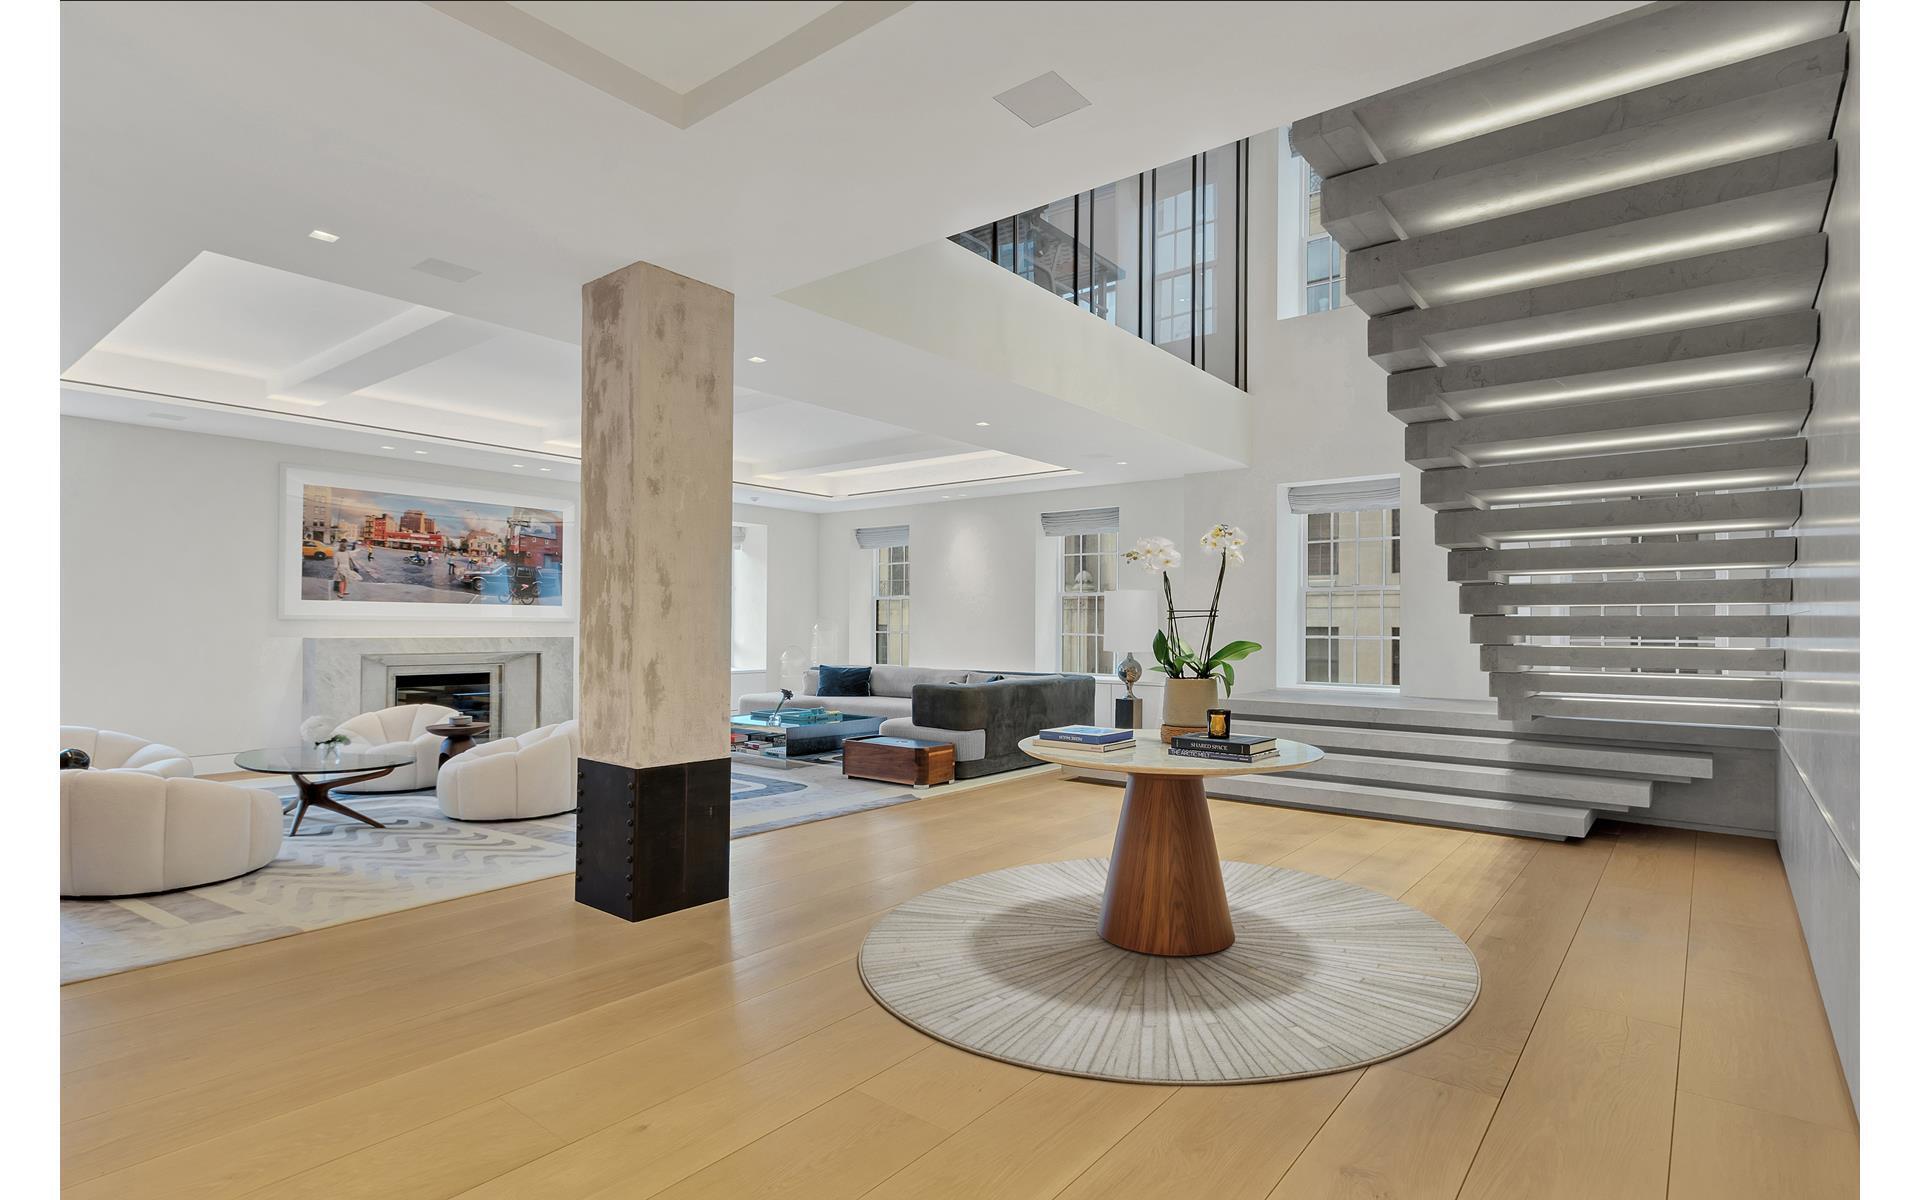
[{"x": 1186, "y": 702}]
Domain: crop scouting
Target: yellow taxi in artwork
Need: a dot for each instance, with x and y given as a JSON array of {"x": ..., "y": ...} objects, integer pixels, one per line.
[{"x": 312, "y": 549}]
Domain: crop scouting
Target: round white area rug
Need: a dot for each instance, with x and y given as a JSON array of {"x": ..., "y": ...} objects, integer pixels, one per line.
[{"x": 1323, "y": 976}]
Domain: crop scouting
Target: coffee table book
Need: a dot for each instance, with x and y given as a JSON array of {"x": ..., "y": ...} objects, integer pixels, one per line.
[{"x": 1085, "y": 735}]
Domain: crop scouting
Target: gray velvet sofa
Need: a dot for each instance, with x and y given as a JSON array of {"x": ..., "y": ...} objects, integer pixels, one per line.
[{"x": 982, "y": 716}]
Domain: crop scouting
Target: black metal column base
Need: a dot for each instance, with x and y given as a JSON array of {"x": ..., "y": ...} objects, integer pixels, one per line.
[{"x": 652, "y": 840}]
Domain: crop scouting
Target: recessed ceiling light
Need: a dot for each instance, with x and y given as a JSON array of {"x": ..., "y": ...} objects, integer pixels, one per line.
[
  {"x": 546, "y": 468},
  {"x": 980, "y": 424},
  {"x": 755, "y": 358},
  {"x": 321, "y": 235},
  {"x": 386, "y": 447},
  {"x": 419, "y": 451},
  {"x": 1121, "y": 463},
  {"x": 946, "y": 497},
  {"x": 165, "y": 416},
  {"x": 519, "y": 466},
  {"x": 440, "y": 268}
]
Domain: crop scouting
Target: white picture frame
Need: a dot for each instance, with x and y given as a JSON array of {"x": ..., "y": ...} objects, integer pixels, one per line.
[{"x": 488, "y": 605}]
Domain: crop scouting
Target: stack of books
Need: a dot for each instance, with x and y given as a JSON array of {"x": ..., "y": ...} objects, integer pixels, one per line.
[
  {"x": 1095, "y": 739},
  {"x": 1239, "y": 747}
]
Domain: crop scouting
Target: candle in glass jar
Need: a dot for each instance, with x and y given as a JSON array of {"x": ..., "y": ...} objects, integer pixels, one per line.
[{"x": 1219, "y": 722}]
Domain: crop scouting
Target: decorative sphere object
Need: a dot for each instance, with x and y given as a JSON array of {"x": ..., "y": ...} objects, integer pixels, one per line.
[
  {"x": 1128, "y": 670},
  {"x": 75, "y": 760}
]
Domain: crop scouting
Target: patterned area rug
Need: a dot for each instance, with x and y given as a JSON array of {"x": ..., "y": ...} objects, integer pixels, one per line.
[
  {"x": 1322, "y": 976},
  {"x": 339, "y": 870}
]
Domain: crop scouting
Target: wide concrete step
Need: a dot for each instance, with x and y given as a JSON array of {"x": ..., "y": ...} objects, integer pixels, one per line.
[
  {"x": 1492, "y": 629},
  {"x": 1716, "y": 554},
  {"x": 1513, "y": 684},
  {"x": 1480, "y": 779},
  {"x": 1717, "y": 355},
  {"x": 1760, "y": 280},
  {"x": 1493, "y": 598},
  {"x": 1661, "y": 42},
  {"x": 1623, "y": 708},
  {"x": 1772, "y": 463},
  {"x": 1745, "y": 412},
  {"x": 1718, "y": 512},
  {"x": 1383, "y": 742},
  {"x": 1701, "y": 120},
  {"x": 1492, "y": 814},
  {"x": 1634, "y": 658},
  {"x": 1766, "y": 198}
]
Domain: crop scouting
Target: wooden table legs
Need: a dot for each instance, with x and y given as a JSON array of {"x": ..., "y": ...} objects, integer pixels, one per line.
[
  {"x": 313, "y": 794},
  {"x": 1165, "y": 894}
]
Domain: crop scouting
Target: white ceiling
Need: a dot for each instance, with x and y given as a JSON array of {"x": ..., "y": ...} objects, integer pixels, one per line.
[
  {"x": 679, "y": 45},
  {"x": 235, "y": 129}
]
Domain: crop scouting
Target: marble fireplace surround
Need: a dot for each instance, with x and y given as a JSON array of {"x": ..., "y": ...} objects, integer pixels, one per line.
[{"x": 344, "y": 676}]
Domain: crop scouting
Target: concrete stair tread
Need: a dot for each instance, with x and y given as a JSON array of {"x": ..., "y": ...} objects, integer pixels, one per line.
[
  {"x": 1645, "y": 658},
  {"x": 1714, "y": 512},
  {"x": 1485, "y": 629},
  {"x": 1776, "y": 462},
  {"x": 1436, "y": 808},
  {"x": 1495, "y": 598},
  {"x": 1483, "y": 779},
  {"x": 1379, "y": 742},
  {"x": 1513, "y": 684},
  {"x": 1724, "y": 207},
  {"x": 1720, "y": 554},
  {"x": 1652, "y": 710},
  {"x": 1599, "y": 147}
]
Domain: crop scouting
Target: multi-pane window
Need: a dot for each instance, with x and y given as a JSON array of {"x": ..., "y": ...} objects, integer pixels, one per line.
[
  {"x": 1352, "y": 602},
  {"x": 1089, "y": 568},
  {"x": 890, "y": 605},
  {"x": 1325, "y": 264},
  {"x": 1175, "y": 244}
]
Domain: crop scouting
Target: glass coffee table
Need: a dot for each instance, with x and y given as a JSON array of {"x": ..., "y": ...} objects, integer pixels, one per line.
[
  {"x": 316, "y": 772},
  {"x": 779, "y": 743}
]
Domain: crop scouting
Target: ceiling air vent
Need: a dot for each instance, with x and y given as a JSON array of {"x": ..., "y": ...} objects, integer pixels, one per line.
[
  {"x": 1041, "y": 99},
  {"x": 440, "y": 268}
]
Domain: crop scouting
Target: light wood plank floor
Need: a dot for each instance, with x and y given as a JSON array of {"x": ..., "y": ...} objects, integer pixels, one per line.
[{"x": 1648, "y": 1027}]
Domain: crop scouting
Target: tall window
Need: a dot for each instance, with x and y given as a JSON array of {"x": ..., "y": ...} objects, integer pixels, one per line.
[
  {"x": 1352, "y": 601},
  {"x": 1089, "y": 568},
  {"x": 890, "y": 605},
  {"x": 1325, "y": 264}
]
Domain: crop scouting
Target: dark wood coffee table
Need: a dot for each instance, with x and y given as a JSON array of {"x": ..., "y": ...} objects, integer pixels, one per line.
[
  {"x": 459, "y": 737},
  {"x": 911, "y": 761}
]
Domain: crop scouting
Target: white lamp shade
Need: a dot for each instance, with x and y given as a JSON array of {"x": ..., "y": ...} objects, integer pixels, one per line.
[{"x": 1133, "y": 617}]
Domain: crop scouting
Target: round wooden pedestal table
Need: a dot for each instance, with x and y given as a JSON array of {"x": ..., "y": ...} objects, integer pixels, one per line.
[{"x": 1165, "y": 894}]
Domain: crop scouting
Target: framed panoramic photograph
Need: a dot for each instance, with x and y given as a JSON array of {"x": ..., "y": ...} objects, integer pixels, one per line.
[{"x": 362, "y": 546}]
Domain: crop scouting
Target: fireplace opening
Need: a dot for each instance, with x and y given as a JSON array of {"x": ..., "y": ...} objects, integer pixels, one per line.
[{"x": 470, "y": 692}]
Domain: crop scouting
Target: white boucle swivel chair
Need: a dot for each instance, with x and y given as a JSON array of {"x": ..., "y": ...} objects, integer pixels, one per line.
[
  {"x": 136, "y": 821},
  {"x": 112, "y": 751},
  {"x": 403, "y": 729},
  {"x": 528, "y": 776}
]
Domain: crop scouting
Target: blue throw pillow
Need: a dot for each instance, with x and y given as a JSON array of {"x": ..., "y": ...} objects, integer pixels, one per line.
[{"x": 846, "y": 681}]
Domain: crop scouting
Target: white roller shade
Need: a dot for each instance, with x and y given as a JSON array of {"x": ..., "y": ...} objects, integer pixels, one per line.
[
  {"x": 739, "y": 537},
  {"x": 881, "y": 537},
  {"x": 1080, "y": 520},
  {"x": 1353, "y": 496}
]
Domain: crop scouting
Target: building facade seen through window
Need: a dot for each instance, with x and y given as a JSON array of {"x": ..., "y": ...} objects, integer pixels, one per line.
[
  {"x": 892, "y": 604},
  {"x": 1325, "y": 262},
  {"x": 1089, "y": 568},
  {"x": 1351, "y": 606}
]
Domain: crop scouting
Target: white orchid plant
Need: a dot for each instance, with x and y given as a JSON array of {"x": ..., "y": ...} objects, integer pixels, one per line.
[{"x": 1176, "y": 657}]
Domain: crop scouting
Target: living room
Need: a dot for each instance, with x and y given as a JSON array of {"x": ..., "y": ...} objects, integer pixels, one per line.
[{"x": 662, "y": 653}]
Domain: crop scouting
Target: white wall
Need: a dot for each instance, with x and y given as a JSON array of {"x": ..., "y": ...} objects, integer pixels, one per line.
[
  {"x": 1819, "y": 798},
  {"x": 792, "y": 542},
  {"x": 169, "y": 555},
  {"x": 976, "y": 577},
  {"x": 1318, "y": 412}
]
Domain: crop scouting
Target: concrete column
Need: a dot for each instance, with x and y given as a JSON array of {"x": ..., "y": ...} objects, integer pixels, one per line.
[{"x": 656, "y": 495}]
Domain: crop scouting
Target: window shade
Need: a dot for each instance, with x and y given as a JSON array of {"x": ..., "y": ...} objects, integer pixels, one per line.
[
  {"x": 1080, "y": 520},
  {"x": 1353, "y": 496},
  {"x": 739, "y": 537},
  {"x": 880, "y": 537}
]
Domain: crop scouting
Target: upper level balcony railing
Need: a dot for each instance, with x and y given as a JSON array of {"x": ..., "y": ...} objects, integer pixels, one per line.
[{"x": 1162, "y": 255}]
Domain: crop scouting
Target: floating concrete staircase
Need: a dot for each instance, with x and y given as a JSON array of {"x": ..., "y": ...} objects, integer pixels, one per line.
[{"x": 1590, "y": 266}]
